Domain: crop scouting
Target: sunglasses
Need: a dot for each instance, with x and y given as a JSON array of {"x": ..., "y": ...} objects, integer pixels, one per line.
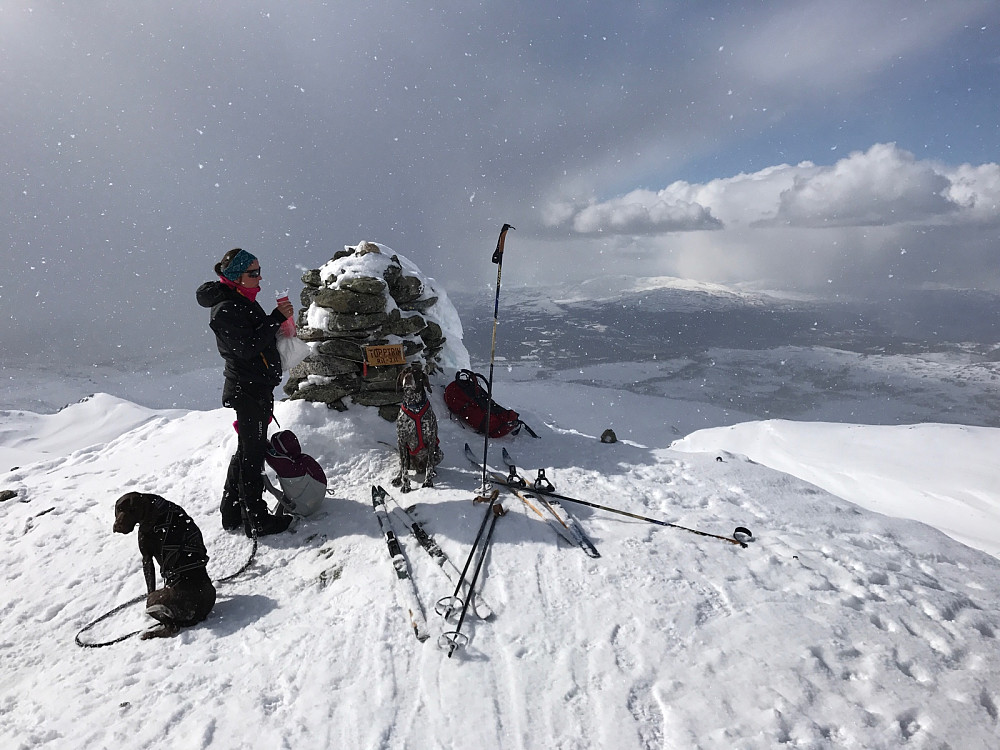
[{"x": 254, "y": 274}]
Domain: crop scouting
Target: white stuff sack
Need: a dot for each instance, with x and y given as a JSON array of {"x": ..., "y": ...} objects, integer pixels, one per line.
[{"x": 292, "y": 350}]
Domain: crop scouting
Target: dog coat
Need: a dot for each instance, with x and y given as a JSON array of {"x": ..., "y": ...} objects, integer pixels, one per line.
[
  {"x": 417, "y": 417},
  {"x": 175, "y": 541}
]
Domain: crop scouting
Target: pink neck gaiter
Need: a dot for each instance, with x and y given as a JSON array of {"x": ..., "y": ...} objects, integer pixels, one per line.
[{"x": 250, "y": 294}]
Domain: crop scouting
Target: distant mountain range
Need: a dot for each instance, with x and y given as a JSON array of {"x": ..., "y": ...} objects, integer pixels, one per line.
[
  {"x": 624, "y": 318},
  {"x": 928, "y": 355}
]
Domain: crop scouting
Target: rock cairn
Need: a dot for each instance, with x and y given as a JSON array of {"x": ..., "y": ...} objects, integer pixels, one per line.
[{"x": 363, "y": 296}]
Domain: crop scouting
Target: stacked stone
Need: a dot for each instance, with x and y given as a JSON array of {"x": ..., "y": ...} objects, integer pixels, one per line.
[{"x": 359, "y": 311}]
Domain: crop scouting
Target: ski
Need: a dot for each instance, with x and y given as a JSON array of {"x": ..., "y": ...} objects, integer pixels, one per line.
[
  {"x": 553, "y": 505},
  {"x": 417, "y": 621},
  {"x": 480, "y": 608},
  {"x": 525, "y": 497}
]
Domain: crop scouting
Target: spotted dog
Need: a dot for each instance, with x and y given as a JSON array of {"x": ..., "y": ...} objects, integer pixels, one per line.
[{"x": 416, "y": 430}]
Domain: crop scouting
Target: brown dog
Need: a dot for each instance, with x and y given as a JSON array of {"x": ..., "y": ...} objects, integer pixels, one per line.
[{"x": 168, "y": 535}]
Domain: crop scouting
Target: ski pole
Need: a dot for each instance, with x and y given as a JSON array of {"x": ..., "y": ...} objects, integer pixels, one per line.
[
  {"x": 542, "y": 488},
  {"x": 498, "y": 259},
  {"x": 739, "y": 529},
  {"x": 448, "y": 604},
  {"x": 454, "y": 639},
  {"x": 540, "y": 492}
]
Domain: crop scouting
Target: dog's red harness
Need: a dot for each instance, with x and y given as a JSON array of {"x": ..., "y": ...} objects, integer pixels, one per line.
[{"x": 417, "y": 416}]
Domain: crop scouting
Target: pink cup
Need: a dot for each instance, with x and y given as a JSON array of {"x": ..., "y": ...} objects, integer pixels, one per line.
[{"x": 288, "y": 327}]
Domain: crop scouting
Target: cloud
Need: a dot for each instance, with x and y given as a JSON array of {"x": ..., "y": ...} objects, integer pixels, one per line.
[
  {"x": 876, "y": 218},
  {"x": 639, "y": 212},
  {"x": 882, "y": 186},
  {"x": 743, "y": 199},
  {"x": 976, "y": 190}
]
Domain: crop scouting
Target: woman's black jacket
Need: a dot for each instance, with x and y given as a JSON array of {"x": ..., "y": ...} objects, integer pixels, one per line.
[{"x": 246, "y": 338}]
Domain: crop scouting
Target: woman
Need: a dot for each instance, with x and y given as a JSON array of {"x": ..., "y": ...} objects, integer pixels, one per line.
[{"x": 246, "y": 335}]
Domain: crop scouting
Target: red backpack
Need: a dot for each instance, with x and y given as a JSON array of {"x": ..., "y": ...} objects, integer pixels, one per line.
[{"x": 468, "y": 400}]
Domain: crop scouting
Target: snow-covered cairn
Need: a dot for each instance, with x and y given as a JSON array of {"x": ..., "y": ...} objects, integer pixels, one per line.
[{"x": 367, "y": 295}]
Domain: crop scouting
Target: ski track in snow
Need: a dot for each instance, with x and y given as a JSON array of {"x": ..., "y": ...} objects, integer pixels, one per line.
[{"x": 836, "y": 627}]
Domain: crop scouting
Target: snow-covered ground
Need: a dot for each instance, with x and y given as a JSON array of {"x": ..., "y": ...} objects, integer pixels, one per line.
[
  {"x": 845, "y": 624},
  {"x": 863, "y": 615}
]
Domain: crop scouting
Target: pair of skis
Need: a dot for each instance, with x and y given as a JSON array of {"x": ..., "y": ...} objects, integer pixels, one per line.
[
  {"x": 537, "y": 494},
  {"x": 411, "y": 603}
]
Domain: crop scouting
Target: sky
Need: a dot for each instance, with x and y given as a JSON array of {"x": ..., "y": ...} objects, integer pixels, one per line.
[{"x": 841, "y": 148}]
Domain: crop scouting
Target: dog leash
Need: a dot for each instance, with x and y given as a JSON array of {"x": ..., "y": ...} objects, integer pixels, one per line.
[
  {"x": 103, "y": 617},
  {"x": 130, "y": 602}
]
